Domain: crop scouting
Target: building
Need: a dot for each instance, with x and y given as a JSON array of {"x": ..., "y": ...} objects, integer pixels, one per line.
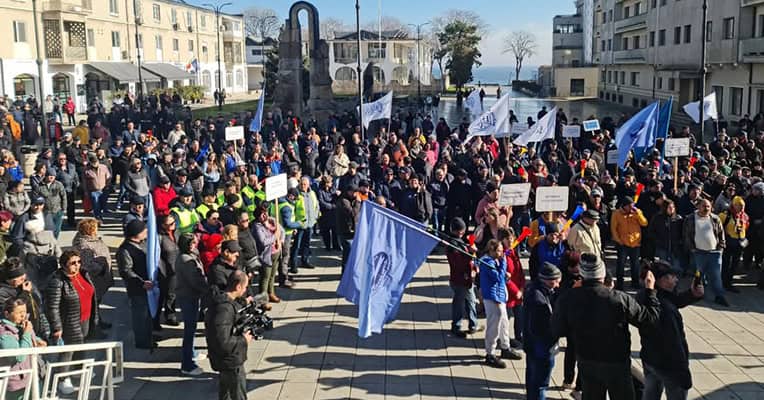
[
  {"x": 572, "y": 73},
  {"x": 88, "y": 48},
  {"x": 396, "y": 62},
  {"x": 257, "y": 52}
]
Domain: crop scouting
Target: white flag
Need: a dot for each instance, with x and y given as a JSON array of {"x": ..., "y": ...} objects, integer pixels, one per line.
[
  {"x": 542, "y": 130},
  {"x": 379, "y": 109},
  {"x": 493, "y": 122},
  {"x": 709, "y": 108},
  {"x": 473, "y": 103}
]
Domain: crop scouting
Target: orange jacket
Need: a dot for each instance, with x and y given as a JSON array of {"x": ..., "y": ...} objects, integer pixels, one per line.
[{"x": 626, "y": 229}]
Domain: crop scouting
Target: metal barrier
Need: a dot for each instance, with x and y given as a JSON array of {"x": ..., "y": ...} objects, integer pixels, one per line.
[{"x": 112, "y": 364}]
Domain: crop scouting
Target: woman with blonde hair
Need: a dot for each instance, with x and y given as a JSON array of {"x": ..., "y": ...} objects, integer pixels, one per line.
[
  {"x": 230, "y": 232},
  {"x": 96, "y": 260}
]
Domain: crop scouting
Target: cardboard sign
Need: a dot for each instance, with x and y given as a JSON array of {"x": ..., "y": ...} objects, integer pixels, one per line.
[
  {"x": 592, "y": 125},
  {"x": 612, "y": 157},
  {"x": 552, "y": 198},
  {"x": 571, "y": 131},
  {"x": 679, "y": 147},
  {"x": 234, "y": 133},
  {"x": 275, "y": 187},
  {"x": 515, "y": 194}
]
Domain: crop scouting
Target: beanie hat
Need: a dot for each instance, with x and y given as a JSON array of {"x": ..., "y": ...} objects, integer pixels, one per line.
[
  {"x": 457, "y": 224},
  {"x": 12, "y": 270},
  {"x": 549, "y": 272},
  {"x": 134, "y": 228},
  {"x": 592, "y": 268}
]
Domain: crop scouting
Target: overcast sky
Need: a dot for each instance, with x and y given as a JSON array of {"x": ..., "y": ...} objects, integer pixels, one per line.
[{"x": 502, "y": 16}]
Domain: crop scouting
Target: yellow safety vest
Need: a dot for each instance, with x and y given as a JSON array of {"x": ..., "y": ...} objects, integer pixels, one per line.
[
  {"x": 299, "y": 209},
  {"x": 287, "y": 231},
  {"x": 203, "y": 209},
  {"x": 249, "y": 194},
  {"x": 221, "y": 198},
  {"x": 187, "y": 219}
]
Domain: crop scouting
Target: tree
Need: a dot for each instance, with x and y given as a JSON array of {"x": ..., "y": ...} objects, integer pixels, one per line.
[
  {"x": 272, "y": 70},
  {"x": 331, "y": 26},
  {"x": 388, "y": 24},
  {"x": 459, "y": 42},
  {"x": 261, "y": 22},
  {"x": 522, "y": 45},
  {"x": 438, "y": 25}
]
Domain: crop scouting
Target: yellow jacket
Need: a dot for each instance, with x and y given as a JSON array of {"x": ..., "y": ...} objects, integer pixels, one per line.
[{"x": 627, "y": 228}]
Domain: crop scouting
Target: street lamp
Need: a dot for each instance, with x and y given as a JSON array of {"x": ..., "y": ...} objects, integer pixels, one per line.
[
  {"x": 703, "y": 69},
  {"x": 139, "y": 48},
  {"x": 419, "y": 63},
  {"x": 43, "y": 128},
  {"x": 358, "y": 68},
  {"x": 216, "y": 9}
]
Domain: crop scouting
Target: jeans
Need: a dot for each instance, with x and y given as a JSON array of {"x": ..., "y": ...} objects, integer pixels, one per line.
[
  {"x": 303, "y": 246},
  {"x": 464, "y": 300},
  {"x": 141, "y": 318},
  {"x": 601, "y": 379},
  {"x": 58, "y": 221},
  {"x": 538, "y": 372},
  {"x": 283, "y": 265},
  {"x": 656, "y": 383},
  {"x": 633, "y": 254},
  {"x": 123, "y": 193},
  {"x": 709, "y": 263},
  {"x": 674, "y": 260},
  {"x": 497, "y": 326},
  {"x": 189, "y": 308},
  {"x": 98, "y": 203},
  {"x": 439, "y": 219},
  {"x": 730, "y": 260},
  {"x": 233, "y": 384}
]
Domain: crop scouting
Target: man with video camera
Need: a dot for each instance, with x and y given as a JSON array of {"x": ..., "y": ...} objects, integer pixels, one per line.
[{"x": 227, "y": 350}]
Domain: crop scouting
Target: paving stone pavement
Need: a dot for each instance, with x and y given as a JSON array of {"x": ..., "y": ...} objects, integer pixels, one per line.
[{"x": 314, "y": 351}]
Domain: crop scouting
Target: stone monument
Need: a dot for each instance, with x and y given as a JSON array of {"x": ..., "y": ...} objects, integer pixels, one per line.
[{"x": 289, "y": 91}]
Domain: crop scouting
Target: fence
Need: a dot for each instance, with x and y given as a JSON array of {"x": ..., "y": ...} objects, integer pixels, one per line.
[{"x": 111, "y": 363}]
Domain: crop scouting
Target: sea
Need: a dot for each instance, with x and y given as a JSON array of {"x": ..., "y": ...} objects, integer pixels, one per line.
[{"x": 500, "y": 74}]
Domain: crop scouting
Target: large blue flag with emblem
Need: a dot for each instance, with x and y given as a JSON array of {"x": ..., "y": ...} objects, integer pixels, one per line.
[
  {"x": 639, "y": 131},
  {"x": 388, "y": 249},
  {"x": 152, "y": 257}
]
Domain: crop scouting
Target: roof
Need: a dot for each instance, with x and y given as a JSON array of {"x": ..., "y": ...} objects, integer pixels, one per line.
[
  {"x": 370, "y": 35},
  {"x": 251, "y": 41},
  {"x": 167, "y": 71},
  {"x": 182, "y": 3},
  {"x": 124, "y": 71}
]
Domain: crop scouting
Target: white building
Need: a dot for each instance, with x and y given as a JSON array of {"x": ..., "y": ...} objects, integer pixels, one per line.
[{"x": 257, "y": 53}]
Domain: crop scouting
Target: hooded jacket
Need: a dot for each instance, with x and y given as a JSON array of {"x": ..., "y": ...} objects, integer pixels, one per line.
[{"x": 226, "y": 350}]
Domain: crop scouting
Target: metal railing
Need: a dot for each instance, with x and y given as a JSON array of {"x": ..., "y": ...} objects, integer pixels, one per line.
[{"x": 112, "y": 365}]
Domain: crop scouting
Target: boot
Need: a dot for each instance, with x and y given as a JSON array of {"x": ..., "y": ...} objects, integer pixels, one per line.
[{"x": 274, "y": 299}]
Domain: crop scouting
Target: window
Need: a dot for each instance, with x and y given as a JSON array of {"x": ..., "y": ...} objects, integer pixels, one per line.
[
  {"x": 610, "y": 15},
  {"x": 19, "y": 32},
  {"x": 609, "y": 76},
  {"x": 709, "y": 31},
  {"x": 671, "y": 84},
  {"x": 634, "y": 103},
  {"x": 626, "y": 12},
  {"x": 115, "y": 42},
  {"x": 236, "y": 26},
  {"x": 678, "y": 35},
  {"x": 652, "y": 39},
  {"x": 174, "y": 16},
  {"x": 377, "y": 50},
  {"x": 203, "y": 21},
  {"x": 607, "y": 96},
  {"x": 623, "y": 77},
  {"x": 663, "y": 3},
  {"x": 729, "y": 28},
  {"x": 736, "y": 101},
  {"x": 620, "y": 98},
  {"x": 635, "y": 43},
  {"x": 625, "y": 44},
  {"x": 659, "y": 83},
  {"x": 688, "y": 33},
  {"x": 642, "y": 103},
  {"x": 204, "y": 52},
  {"x": 604, "y": 17},
  {"x": 635, "y": 79},
  {"x": 175, "y": 45},
  {"x": 609, "y": 44},
  {"x": 157, "y": 12},
  {"x": 760, "y": 96},
  {"x": 567, "y": 28},
  {"x": 158, "y": 42},
  {"x": 662, "y": 37},
  {"x": 654, "y": 4},
  {"x": 345, "y": 52},
  {"x": 760, "y": 26},
  {"x": 189, "y": 19},
  {"x": 113, "y": 7},
  {"x": 190, "y": 45},
  {"x": 719, "y": 91},
  {"x": 91, "y": 37},
  {"x": 637, "y": 9},
  {"x": 602, "y": 45}
]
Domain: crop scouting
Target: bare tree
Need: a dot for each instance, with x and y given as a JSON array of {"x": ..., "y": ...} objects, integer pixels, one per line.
[
  {"x": 522, "y": 45},
  {"x": 388, "y": 24},
  {"x": 331, "y": 26},
  {"x": 261, "y": 23}
]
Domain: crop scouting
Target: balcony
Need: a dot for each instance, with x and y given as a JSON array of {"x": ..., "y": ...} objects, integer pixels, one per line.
[
  {"x": 229, "y": 34},
  {"x": 632, "y": 23},
  {"x": 633, "y": 56},
  {"x": 68, "y": 7},
  {"x": 747, "y": 3},
  {"x": 752, "y": 50}
]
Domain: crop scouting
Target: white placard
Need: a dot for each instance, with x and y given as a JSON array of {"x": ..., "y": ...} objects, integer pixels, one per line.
[
  {"x": 571, "y": 131},
  {"x": 612, "y": 157},
  {"x": 234, "y": 133},
  {"x": 592, "y": 125},
  {"x": 552, "y": 198},
  {"x": 679, "y": 147},
  {"x": 515, "y": 194},
  {"x": 275, "y": 187}
]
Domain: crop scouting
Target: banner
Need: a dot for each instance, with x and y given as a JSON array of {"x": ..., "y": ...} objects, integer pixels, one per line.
[
  {"x": 473, "y": 103},
  {"x": 152, "y": 257},
  {"x": 379, "y": 109},
  {"x": 639, "y": 131},
  {"x": 709, "y": 108},
  {"x": 493, "y": 122},
  {"x": 542, "y": 130},
  {"x": 515, "y": 194}
]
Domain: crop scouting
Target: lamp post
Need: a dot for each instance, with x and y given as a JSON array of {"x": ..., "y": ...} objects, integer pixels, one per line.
[
  {"x": 39, "y": 70},
  {"x": 217, "y": 9},
  {"x": 358, "y": 68},
  {"x": 139, "y": 52},
  {"x": 703, "y": 70},
  {"x": 419, "y": 63}
]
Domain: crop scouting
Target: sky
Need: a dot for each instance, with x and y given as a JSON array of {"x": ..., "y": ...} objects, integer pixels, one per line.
[{"x": 502, "y": 17}]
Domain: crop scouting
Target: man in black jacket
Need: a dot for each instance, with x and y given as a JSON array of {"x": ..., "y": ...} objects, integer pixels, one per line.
[
  {"x": 346, "y": 214},
  {"x": 227, "y": 348},
  {"x": 224, "y": 265},
  {"x": 598, "y": 320},
  {"x": 131, "y": 262}
]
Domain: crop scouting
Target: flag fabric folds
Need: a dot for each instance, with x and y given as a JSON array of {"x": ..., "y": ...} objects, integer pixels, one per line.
[
  {"x": 639, "y": 131},
  {"x": 257, "y": 120},
  {"x": 709, "y": 108},
  {"x": 387, "y": 250},
  {"x": 379, "y": 109},
  {"x": 473, "y": 103},
  {"x": 542, "y": 130},
  {"x": 152, "y": 257},
  {"x": 492, "y": 122},
  {"x": 664, "y": 118}
]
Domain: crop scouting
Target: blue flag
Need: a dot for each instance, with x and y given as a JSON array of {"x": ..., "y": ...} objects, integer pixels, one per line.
[
  {"x": 639, "y": 131},
  {"x": 664, "y": 118},
  {"x": 152, "y": 257},
  {"x": 388, "y": 249},
  {"x": 257, "y": 120}
]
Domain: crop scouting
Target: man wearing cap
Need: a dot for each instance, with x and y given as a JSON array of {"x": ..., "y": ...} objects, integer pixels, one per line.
[
  {"x": 252, "y": 194},
  {"x": 137, "y": 180},
  {"x": 185, "y": 215},
  {"x": 96, "y": 176},
  {"x": 665, "y": 354},
  {"x": 288, "y": 220},
  {"x": 35, "y": 212},
  {"x": 163, "y": 195},
  {"x": 598, "y": 318},
  {"x": 626, "y": 229},
  {"x": 584, "y": 236},
  {"x": 131, "y": 262},
  {"x": 549, "y": 250},
  {"x": 224, "y": 265},
  {"x": 415, "y": 201},
  {"x": 346, "y": 215},
  {"x": 352, "y": 177},
  {"x": 230, "y": 188},
  {"x": 208, "y": 203},
  {"x": 539, "y": 341}
]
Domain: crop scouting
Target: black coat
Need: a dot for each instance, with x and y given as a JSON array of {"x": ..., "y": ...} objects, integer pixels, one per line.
[
  {"x": 218, "y": 273},
  {"x": 168, "y": 256},
  {"x": 537, "y": 310},
  {"x": 62, "y": 307},
  {"x": 34, "y": 307},
  {"x": 226, "y": 351},
  {"x": 327, "y": 206},
  {"x": 131, "y": 262}
]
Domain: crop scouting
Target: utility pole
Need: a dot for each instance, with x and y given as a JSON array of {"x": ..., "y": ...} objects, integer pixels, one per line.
[
  {"x": 217, "y": 9},
  {"x": 358, "y": 68},
  {"x": 419, "y": 63},
  {"x": 703, "y": 70},
  {"x": 139, "y": 52},
  {"x": 43, "y": 122}
]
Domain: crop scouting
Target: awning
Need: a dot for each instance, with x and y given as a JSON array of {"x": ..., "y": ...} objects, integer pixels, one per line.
[
  {"x": 123, "y": 71},
  {"x": 167, "y": 71}
]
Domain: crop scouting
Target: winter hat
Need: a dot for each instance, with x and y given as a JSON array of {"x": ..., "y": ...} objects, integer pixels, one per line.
[
  {"x": 592, "y": 268},
  {"x": 549, "y": 272},
  {"x": 134, "y": 228},
  {"x": 13, "y": 270}
]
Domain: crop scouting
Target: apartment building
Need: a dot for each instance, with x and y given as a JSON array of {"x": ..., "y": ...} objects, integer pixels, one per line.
[
  {"x": 572, "y": 73},
  {"x": 87, "y": 48},
  {"x": 257, "y": 52}
]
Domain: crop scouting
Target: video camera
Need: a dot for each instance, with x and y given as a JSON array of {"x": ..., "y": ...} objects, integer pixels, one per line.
[{"x": 253, "y": 318}]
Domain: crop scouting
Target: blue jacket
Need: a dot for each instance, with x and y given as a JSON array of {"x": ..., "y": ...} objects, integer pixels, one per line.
[
  {"x": 493, "y": 279},
  {"x": 538, "y": 339}
]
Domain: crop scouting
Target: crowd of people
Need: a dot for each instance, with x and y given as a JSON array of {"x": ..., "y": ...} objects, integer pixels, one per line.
[{"x": 222, "y": 243}]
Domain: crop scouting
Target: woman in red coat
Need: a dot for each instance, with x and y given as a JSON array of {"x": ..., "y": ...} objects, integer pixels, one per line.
[
  {"x": 515, "y": 284},
  {"x": 69, "y": 109},
  {"x": 163, "y": 195}
]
